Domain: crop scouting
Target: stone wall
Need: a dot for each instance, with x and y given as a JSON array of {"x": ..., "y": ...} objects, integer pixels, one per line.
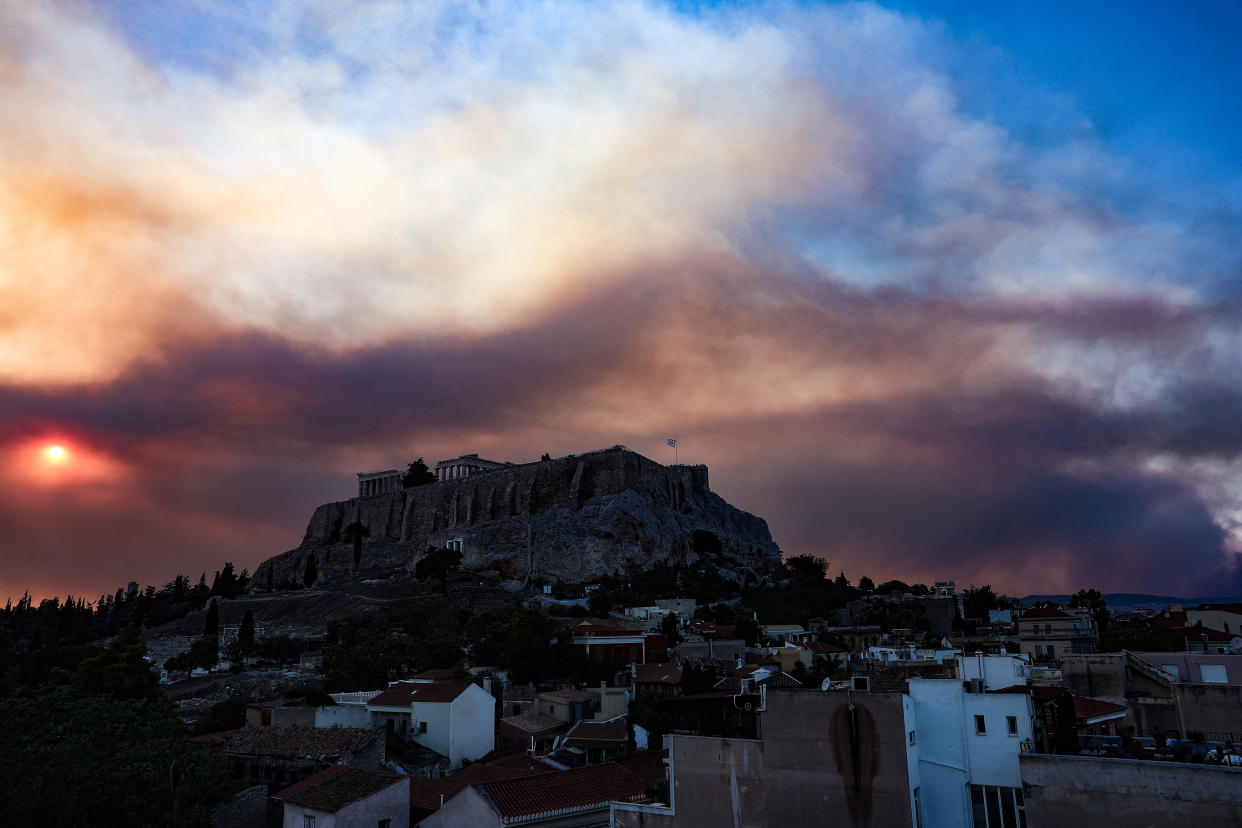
[
  {"x": 573, "y": 518},
  {"x": 1103, "y": 793}
]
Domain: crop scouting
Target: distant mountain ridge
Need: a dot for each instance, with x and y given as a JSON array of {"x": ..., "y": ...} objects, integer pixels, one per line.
[{"x": 1120, "y": 600}]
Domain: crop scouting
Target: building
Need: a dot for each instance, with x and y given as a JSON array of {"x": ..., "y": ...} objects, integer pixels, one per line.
[
  {"x": 569, "y": 799},
  {"x": 1123, "y": 793},
  {"x": 599, "y": 741},
  {"x": 379, "y": 482},
  {"x": 568, "y": 706},
  {"x": 995, "y": 671},
  {"x": 341, "y": 797},
  {"x": 529, "y": 732},
  {"x": 699, "y": 648},
  {"x": 1171, "y": 693},
  {"x": 467, "y": 465},
  {"x": 428, "y": 795},
  {"x": 280, "y": 756},
  {"x": 967, "y": 746},
  {"x": 1225, "y": 618},
  {"x": 833, "y": 758},
  {"x": 455, "y": 720},
  {"x": 610, "y": 702},
  {"x": 1047, "y": 633},
  {"x": 658, "y": 679},
  {"x": 605, "y": 640},
  {"x": 683, "y": 608}
]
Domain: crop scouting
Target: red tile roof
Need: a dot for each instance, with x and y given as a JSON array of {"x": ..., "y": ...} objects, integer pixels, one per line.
[
  {"x": 332, "y": 789},
  {"x": 659, "y": 673},
  {"x": 606, "y": 626},
  {"x": 607, "y": 735},
  {"x": 821, "y": 648},
  {"x": 568, "y": 696},
  {"x": 299, "y": 742},
  {"x": 570, "y": 791},
  {"x": 428, "y": 794},
  {"x": 1094, "y": 709},
  {"x": 532, "y": 722},
  {"x": 435, "y": 675},
  {"x": 405, "y": 693}
]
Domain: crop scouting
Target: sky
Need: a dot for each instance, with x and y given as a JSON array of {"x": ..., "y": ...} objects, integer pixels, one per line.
[{"x": 941, "y": 290}]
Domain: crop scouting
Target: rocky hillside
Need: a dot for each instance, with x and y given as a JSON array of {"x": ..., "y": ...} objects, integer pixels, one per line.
[{"x": 574, "y": 518}]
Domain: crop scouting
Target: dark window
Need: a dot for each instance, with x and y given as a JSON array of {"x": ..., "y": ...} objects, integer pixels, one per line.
[
  {"x": 1012, "y": 723},
  {"x": 981, "y": 726}
]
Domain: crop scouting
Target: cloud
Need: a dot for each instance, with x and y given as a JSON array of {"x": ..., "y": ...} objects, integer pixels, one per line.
[{"x": 258, "y": 249}]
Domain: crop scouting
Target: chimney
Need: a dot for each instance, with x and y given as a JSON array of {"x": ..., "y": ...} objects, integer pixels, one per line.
[{"x": 487, "y": 683}]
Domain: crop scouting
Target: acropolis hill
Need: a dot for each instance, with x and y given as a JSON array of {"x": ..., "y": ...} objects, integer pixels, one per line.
[{"x": 575, "y": 518}]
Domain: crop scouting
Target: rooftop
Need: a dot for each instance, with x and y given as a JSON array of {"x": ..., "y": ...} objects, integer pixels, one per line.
[
  {"x": 405, "y": 693},
  {"x": 565, "y": 792},
  {"x": 532, "y": 722},
  {"x": 568, "y": 696},
  {"x": 1045, "y": 612},
  {"x": 299, "y": 742},
  {"x": 428, "y": 794},
  {"x": 332, "y": 789},
  {"x": 659, "y": 673},
  {"x": 587, "y": 734}
]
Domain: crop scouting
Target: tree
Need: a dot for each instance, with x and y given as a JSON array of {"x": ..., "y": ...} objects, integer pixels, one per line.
[
  {"x": 977, "y": 601},
  {"x": 212, "y": 627},
  {"x": 671, "y": 629},
  {"x": 807, "y": 570},
  {"x": 311, "y": 573},
  {"x": 121, "y": 671},
  {"x": 354, "y": 533},
  {"x": 600, "y": 603},
  {"x": 1092, "y": 599},
  {"x": 245, "y": 635},
  {"x": 889, "y": 587},
  {"x": 546, "y": 456},
  {"x": 438, "y": 562},
  {"x": 865, "y": 583},
  {"x": 225, "y": 583},
  {"x": 418, "y": 475},
  {"x": 746, "y": 627}
]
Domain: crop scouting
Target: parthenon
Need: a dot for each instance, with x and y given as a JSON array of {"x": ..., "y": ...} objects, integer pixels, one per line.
[
  {"x": 380, "y": 482},
  {"x": 465, "y": 466}
]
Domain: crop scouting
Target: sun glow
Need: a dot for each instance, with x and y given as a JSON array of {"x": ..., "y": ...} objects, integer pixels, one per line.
[{"x": 56, "y": 453}]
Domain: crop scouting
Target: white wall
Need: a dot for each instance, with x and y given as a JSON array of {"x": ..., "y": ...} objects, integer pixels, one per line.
[
  {"x": 951, "y": 755},
  {"x": 391, "y": 803},
  {"x": 997, "y": 671},
  {"x": 474, "y": 725},
  {"x": 343, "y": 715}
]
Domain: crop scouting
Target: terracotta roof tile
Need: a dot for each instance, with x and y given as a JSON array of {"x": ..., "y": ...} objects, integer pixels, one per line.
[
  {"x": 588, "y": 734},
  {"x": 532, "y": 722},
  {"x": 425, "y": 794},
  {"x": 579, "y": 789},
  {"x": 332, "y": 789},
  {"x": 1044, "y": 612},
  {"x": 404, "y": 693},
  {"x": 1089, "y": 708},
  {"x": 568, "y": 696},
  {"x": 657, "y": 673},
  {"x": 298, "y": 742},
  {"x": 822, "y": 648}
]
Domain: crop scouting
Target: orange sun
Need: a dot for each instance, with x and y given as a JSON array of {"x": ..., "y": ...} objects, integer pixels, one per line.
[{"x": 56, "y": 453}]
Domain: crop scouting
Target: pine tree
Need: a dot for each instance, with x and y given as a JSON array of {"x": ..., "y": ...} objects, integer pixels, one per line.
[{"x": 212, "y": 627}]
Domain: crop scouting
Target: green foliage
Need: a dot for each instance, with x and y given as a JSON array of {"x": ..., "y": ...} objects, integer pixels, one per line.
[
  {"x": 212, "y": 625},
  {"x": 978, "y": 601},
  {"x": 527, "y": 643},
  {"x": 1092, "y": 599},
  {"x": 746, "y": 627},
  {"x": 807, "y": 570},
  {"x": 890, "y": 587},
  {"x": 355, "y": 533},
  {"x": 121, "y": 672},
  {"x": 79, "y": 759},
  {"x": 311, "y": 573},
  {"x": 280, "y": 649},
  {"x": 600, "y": 603},
  {"x": 1141, "y": 635},
  {"x": 438, "y": 563},
  {"x": 227, "y": 584},
  {"x": 417, "y": 474},
  {"x": 866, "y": 584},
  {"x": 229, "y": 714},
  {"x": 671, "y": 628},
  {"x": 245, "y": 635}
]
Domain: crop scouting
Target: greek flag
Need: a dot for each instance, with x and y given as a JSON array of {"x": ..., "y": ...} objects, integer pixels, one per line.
[{"x": 672, "y": 442}]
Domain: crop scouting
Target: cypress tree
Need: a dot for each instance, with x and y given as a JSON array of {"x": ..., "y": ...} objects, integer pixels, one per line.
[
  {"x": 312, "y": 571},
  {"x": 245, "y": 636},
  {"x": 212, "y": 627}
]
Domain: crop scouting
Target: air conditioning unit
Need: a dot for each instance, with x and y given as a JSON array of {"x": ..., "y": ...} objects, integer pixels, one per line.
[{"x": 862, "y": 684}]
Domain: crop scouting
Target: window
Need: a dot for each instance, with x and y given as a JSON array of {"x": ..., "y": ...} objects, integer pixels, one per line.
[
  {"x": 993, "y": 807},
  {"x": 981, "y": 726},
  {"x": 308, "y": 822},
  {"x": 1039, "y": 651},
  {"x": 911, "y": 737},
  {"x": 1172, "y": 670},
  {"x": 1050, "y": 651},
  {"x": 422, "y": 727},
  {"x": 385, "y": 823},
  {"x": 1011, "y": 722},
  {"x": 918, "y": 805},
  {"x": 1213, "y": 674}
]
